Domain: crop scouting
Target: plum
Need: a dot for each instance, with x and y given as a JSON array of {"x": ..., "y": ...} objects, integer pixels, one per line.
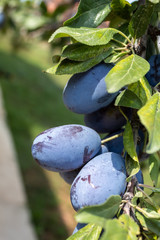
[
  {"x": 86, "y": 92},
  {"x": 66, "y": 147},
  {"x": 103, "y": 176},
  {"x": 108, "y": 119},
  {"x": 71, "y": 175},
  {"x": 116, "y": 145},
  {"x": 139, "y": 177},
  {"x": 153, "y": 76}
]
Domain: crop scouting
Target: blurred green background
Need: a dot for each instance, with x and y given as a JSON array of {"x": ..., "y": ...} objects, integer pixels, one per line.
[{"x": 33, "y": 101}]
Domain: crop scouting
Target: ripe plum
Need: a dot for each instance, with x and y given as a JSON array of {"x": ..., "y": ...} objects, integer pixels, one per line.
[
  {"x": 66, "y": 147},
  {"x": 108, "y": 119},
  {"x": 103, "y": 176},
  {"x": 86, "y": 92},
  {"x": 153, "y": 76}
]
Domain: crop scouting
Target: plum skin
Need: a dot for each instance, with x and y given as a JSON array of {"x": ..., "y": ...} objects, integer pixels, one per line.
[
  {"x": 69, "y": 176},
  {"x": 86, "y": 92},
  {"x": 153, "y": 76},
  {"x": 103, "y": 176},
  {"x": 66, "y": 147},
  {"x": 108, "y": 119}
]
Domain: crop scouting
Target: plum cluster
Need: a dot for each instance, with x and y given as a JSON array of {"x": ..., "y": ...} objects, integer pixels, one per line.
[{"x": 94, "y": 171}]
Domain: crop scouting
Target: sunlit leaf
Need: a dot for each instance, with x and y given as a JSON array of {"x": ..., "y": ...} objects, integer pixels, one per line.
[
  {"x": 98, "y": 214},
  {"x": 127, "y": 71},
  {"x": 88, "y": 36},
  {"x": 150, "y": 118},
  {"x": 148, "y": 213},
  {"x": 89, "y": 232},
  {"x": 123, "y": 228}
]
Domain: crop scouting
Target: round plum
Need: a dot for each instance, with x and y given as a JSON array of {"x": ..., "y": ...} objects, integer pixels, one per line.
[
  {"x": 86, "y": 92},
  {"x": 153, "y": 76},
  {"x": 103, "y": 176},
  {"x": 71, "y": 175},
  {"x": 66, "y": 147},
  {"x": 108, "y": 119}
]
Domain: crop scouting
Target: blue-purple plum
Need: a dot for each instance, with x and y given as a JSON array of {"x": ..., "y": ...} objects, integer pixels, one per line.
[
  {"x": 86, "y": 92},
  {"x": 103, "y": 149},
  {"x": 139, "y": 177},
  {"x": 108, "y": 119},
  {"x": 78, "y": 227},
  {"x": 116, "y": 145},
  {"x": 103, "y": 176},
  {"x": 66, "y": 147},
  {"x": 71, "y": 175},
  {"x": 153, "y": 76}
]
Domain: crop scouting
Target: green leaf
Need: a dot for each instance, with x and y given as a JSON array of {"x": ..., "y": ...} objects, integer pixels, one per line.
[
  {"x": 81, "y": 52},
  {"x": 154, "y": 1},
  {"x": 150, "y": 117},
  {"x": 153, "y": 168},
  {"x": 130, "y": 226},
  {"x": 88, "y": 36},
  {"x": 124, "y": 228},
  {"x": 121, "y": 8},
  {"x": 67, "y": 66},
  {"x": 127, "y": 71},
  {"x": 151, "y": 224},
  {"x": 142, "y": 89},
  {"x": 141, "y": 19},
  {"x": 98, "y": 214},
  {"x": 148, "y": 213},
  {"x": 90, "y": 13},
  {"x": 89, "y": 232},
  {"x": 128, "y": 98},
  {"x": 129, "y": 146},
  {"x": 114, "y": 57}
]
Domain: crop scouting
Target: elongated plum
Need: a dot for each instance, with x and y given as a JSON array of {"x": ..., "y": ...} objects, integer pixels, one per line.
[
  {"x": 71, "y": 175},
  {"x": 153, "y": 76},
  {"x": 108, "y": 119},
  {"x": 103, "y": 176},
  {"x": 86, "y": 92},
  {"x": 66, "y": 147}
]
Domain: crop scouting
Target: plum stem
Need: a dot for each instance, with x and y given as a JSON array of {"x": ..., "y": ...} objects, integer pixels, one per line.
[
  {"x": 120, "y": 42},
  {"x": 111, "y": 138}
]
